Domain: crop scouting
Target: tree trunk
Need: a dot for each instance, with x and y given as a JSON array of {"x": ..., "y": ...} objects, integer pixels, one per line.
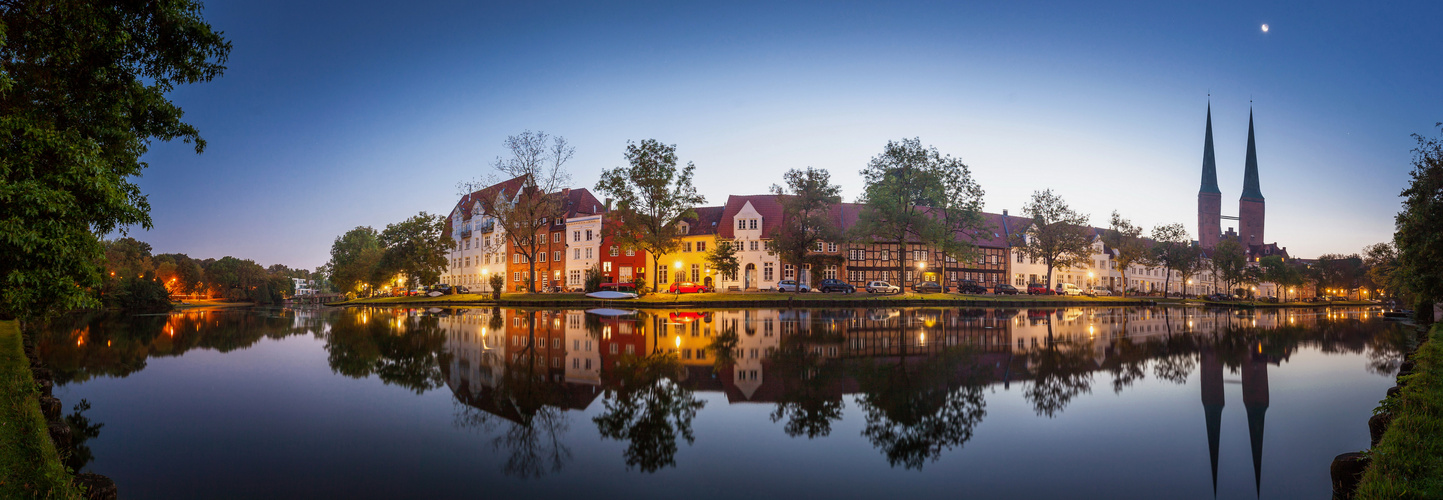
[{"x": 1166, "y": 280}]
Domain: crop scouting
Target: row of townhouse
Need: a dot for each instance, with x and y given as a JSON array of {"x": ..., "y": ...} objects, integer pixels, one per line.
[{"x": 578, "y": 241}]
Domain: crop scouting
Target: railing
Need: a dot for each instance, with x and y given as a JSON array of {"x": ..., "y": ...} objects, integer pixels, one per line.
[
  {"x": 466, "y": 234},
  {"x": 487, "y": 228}
]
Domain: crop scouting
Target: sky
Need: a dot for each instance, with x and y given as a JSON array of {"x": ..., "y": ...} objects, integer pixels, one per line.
[{"x": 333, "y": 115}]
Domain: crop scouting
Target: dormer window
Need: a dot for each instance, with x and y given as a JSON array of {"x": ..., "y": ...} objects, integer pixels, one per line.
[
  {"x": 753, "y": 224},
  {"x": 741, "y": 223}
]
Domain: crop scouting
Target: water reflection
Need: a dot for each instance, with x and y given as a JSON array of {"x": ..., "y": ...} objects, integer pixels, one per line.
[{"x": 918, "y": 378}]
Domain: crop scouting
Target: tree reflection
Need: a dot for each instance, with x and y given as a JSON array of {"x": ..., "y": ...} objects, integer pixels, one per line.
[
  {"x": 399, "y": 349},
  {"x": 1059, "y": 374},
  {"x": 807, "y": 402},
  {"x": 649, "y": 409},
  {"x": 81, "y": 431}
]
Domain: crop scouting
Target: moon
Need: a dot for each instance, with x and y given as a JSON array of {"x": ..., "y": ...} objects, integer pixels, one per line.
[{"x": 1265, "y": 28}]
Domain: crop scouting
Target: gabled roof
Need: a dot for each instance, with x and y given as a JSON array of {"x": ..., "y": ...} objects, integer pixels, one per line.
[
  {"x": 707, "y": 221},
  {"x": 470, "y": 201},
  {"x": 765, "y": 204}
]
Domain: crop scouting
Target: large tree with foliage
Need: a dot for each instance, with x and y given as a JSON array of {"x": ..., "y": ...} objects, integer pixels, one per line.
[
  {"x": 1381, "y": 262},
  {"x": 1171, "y": 248},
  {"x": 525, "y": 214},
  {"x": 652, "y": 196},
  {"x": 915, "y": 193},
  {"x": 806, "y": 200},
  {"x": 355, "y": 259},
  {"x": 417, "y": 247},
  {"x": 82, "y": 94},
  {"x": 1125, "y": 240},
  {"x": 723, "y": 259},
  {"x": 1058, "y": 236},
  {"x": 1188, "y": 263},
  {"x": 1229, "y": 261},
  {"x": 1419, "y": 235}
]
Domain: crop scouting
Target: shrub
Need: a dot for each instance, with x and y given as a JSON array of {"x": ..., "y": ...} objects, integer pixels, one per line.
[{"x": 498, "y": 283}]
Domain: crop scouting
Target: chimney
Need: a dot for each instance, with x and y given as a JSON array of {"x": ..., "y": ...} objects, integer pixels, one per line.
[{"x": 1004, "y": 212}]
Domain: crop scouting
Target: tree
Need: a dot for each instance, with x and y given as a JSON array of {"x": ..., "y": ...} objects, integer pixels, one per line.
[
  {"x": 651, "y": 195},
  {"x": 1127, "y": 246},
  {"x": 1229, "y": 262},
  {"x": 1188, "y": 264},
  {"x": 538, "y": 161},
  {"x": 723, "y": 259},
  {"x": 914, "y": 193},
  {"x": 355, "y": 257},
  {"x": 83, "y": 90},
  {"x": 1058, "y": 236},
  {"x": 417, "y": 248},
  {"x": 1273, "y": 269},
  {"x": 1171, "y": 248},
  {"x": 806, "y": 201},
  {"x": 1419, "y": 225},
  {"x": 649, "y": 410},
  {"x": 1381, "y": 261}
]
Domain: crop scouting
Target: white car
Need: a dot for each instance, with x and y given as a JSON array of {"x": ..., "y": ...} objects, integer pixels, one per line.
[
  {"x": 882, "y": 287},
  {"x": 1098, "y": 291},
  {"x": 1068, "y": 289},
  {"x": 791, "y": 286}
]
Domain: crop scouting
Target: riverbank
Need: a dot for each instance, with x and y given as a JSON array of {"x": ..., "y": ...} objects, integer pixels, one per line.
[
  {"x": 30, "y": 466},
  {"x": 754, "y": 299},
  {"x": 1408, "y": 460}
]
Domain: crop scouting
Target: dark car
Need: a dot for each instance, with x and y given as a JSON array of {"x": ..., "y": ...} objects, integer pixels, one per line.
[
  {"x": 927, "y": 287},
  {"x": 835, "y": 285},
  {"x": 970, "y": 286},
  {"x": 1038, "y": 289},
  {"x": 1005, "y": 289}
]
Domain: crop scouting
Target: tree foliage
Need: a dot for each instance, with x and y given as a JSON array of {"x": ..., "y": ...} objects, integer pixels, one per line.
[
  {"x": 1125, "y": 240},
  {"x": 915, "y": 193},
  {"x": 1171, "y": 250},
  {"x": 1229, "y": 262},
  {"x": 416, "y": 248},
  {"x": 723, "y": 259},
  {"x": 806, "y": 201},
  {"x": 652, "y": 195},
  {"x": 355, "y": 259},
  {"x": 1058, "y": 236},
  {"x": 1419, "y": 236},
  {"x": 82, "y": 95},
  {"x": 525, "y": 214}
]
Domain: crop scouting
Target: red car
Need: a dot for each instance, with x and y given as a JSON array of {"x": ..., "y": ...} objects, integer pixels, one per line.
[
  {"x": 1038, "y": 289},
  {"x": 687, "y": 287}
]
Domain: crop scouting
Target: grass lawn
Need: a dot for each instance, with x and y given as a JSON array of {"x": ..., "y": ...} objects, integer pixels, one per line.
[
  {"x": 29, "y": 464},
  {"x": 1408, "y": 461}
]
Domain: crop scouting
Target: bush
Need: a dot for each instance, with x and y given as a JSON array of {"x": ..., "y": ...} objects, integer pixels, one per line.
[
  {"x": 641, "y": 288},
  {"x": 144, "y": 294},
  {"x": 498, "y": 283},
  {"x": 593, "y": 280}
]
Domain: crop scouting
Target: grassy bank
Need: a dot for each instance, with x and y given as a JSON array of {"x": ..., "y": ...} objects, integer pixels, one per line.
[
  {"x": 748, "y": 299},
  {"x": 1408, "y": 461},
  {"x": 29, "y": 464}
]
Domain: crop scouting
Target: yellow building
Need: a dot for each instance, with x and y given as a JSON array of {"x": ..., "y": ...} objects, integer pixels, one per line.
[{"x": 688, "y": 263}]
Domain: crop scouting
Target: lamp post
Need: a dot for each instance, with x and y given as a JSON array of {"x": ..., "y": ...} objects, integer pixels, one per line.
[{"x": 921, "y": 268}]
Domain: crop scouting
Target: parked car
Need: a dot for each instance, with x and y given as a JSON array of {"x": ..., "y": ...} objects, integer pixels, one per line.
[
  {"x": 687, "y": 287},
  {"x": 1038, "y": 289},
  {"x": 1068, "y": 289},
  {"x": 835, "y": 285},
  {"x": 1098, "y": 291},
  {"x": 619, "y": 287},
  {"x": 461, "y": 289},
  {"x": 927, "y": 287},
  {"x": 970, "y": 286},
  {"x": 882, "y": 287},
  {"x": 791, "y": 286},
  {"x": 1005, "y": 289}
]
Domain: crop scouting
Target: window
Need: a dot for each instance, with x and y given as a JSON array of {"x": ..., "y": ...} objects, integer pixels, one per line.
[
  {"x": 574, "y": 277},
  {"x": 613, "y": 251},
  {"x": 576, "y": 236},
  {"x": 606, "y": 267},
  {"x": 686, "y": 246},
  {"x": 830, "y": 272},
  {"x": 556, "y": 237},
  {"x": 661, "y": 274},
  {"x": 630, "y": 252},
  {"x": 696, "y": 272},
  {"x": 516, "y": 276},
  {"x": 576, "y": 253},
  {"x": 741, "y": 223},
  {"x": 752, "y": 223},
  {"x": 832, "y": 247},
  {"x": 541, "y": 256},
  {"x": 467, "y": 262},
  {"x": 588, "y": 253},
  {"x": 556, "y": 256},
  {"x": 821, "y": 246},
  {"x": 768, "y": 271},
  {"x": 788, "y": 272},
  {"x": 701, "y": 246},
  {"x": 886, "y": 255},
  {"x": 754, "y": 245},
  {"x": 468, "y": 244}
]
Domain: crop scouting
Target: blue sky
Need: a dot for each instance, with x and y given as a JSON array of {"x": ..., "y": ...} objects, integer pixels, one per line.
[{"x": 336, "y": 115}]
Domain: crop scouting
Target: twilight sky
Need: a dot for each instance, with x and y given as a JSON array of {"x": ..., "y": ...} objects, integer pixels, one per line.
[{"x": 336, "y": 115}]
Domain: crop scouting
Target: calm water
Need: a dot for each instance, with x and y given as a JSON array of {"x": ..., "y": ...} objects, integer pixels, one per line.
[{"x": 849, "y": 403}]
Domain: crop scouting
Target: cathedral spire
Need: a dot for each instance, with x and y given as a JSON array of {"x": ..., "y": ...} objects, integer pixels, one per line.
[
  {"x": 1250, "y": 174},
  {"x": 1210, "y": 165}
]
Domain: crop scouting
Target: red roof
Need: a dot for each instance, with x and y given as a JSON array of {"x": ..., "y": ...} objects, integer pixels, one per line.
[
  {"x": 765, "y": 204},
  {"x": 707, "y": 221},
  {"x": 469, "y": 202}
]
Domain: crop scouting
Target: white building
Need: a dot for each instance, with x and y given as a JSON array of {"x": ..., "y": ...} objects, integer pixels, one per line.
[
  {"x": 479, "y": 245},
  {"x": 748, "y": 222},
  {"x": 583, "y": 233}
]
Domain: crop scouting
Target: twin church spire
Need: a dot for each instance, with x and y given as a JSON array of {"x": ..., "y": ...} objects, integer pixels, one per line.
[{"x": 1251, "y": 206}]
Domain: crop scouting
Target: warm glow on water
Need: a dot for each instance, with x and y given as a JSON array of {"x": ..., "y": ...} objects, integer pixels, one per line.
[{"x": 900, "y": 403}]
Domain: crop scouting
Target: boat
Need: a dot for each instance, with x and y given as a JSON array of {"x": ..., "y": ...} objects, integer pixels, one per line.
[
  {"x": 610, "y": 313},
  {"x": 610, "y": 295}
]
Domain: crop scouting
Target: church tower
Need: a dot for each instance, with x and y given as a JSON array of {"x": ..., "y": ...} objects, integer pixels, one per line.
[
  {"x": 1250, "y": 206},
  {"x": 1209, "y": 197}
]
